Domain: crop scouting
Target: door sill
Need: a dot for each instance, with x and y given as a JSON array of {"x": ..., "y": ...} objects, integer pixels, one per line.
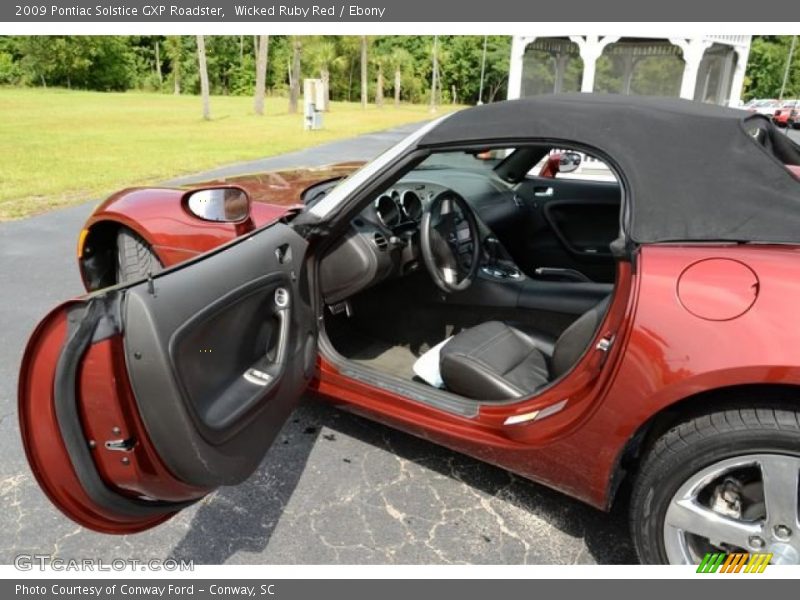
[{"x": 418, "y": 392}]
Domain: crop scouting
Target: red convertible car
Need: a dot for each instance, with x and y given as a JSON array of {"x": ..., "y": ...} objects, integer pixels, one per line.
[{"x": 634, "y": 334}]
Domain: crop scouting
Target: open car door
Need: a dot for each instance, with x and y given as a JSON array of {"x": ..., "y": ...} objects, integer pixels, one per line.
[{"x": 137, "y": 401}]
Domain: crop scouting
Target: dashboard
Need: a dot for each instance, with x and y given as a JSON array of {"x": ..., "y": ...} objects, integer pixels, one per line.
[{"x": 384, "y": 240}]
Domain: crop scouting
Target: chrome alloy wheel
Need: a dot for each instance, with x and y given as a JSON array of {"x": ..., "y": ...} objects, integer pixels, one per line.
[{"x": 744, "y": 504}]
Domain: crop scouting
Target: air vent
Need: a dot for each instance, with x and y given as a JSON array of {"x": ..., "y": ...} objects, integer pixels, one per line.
[{"x": 381, "y": 242}]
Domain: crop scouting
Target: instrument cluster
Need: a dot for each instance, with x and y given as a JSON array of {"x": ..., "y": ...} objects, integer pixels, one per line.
[{"x": 399, "y": 207}]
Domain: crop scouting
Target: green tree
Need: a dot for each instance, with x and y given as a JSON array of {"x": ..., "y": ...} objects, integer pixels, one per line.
[
  {"x": 174, "y": 51},
  {"x": 766, "y": 66},
  {"x": 400, "y": 59},
  {"x": 261, "y": 74},
  {"x": 382, "y": 60},
  {"x": 294, "y": 74},
  {"x": 322, "y": 53},
  {"x": 204, "y": 85},
  {"x": 364, "y": 69}
]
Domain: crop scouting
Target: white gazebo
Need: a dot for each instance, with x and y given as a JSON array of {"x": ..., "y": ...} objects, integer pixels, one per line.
[{"x": 707, "y": 68}]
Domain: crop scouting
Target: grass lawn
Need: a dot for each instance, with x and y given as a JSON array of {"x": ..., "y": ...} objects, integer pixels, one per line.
[{"x": 60, "y": 147}]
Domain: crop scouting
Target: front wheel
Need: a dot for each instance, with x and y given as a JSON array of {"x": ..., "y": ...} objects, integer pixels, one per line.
[
  {"x": 135, "y": 258},
  {"x": 722, "y": 482}
]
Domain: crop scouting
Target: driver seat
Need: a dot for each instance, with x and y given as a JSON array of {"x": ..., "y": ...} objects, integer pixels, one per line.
[{"x": 501, "y": 361}]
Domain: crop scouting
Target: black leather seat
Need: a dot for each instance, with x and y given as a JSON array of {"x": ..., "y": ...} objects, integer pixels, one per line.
[{"x": 501, "y": 361}]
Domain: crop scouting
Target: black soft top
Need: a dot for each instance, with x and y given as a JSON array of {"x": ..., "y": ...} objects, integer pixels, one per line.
[{"x": 691, "y": 171}]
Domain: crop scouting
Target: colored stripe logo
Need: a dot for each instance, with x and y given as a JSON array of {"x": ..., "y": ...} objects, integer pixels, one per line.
[{"x": 737, "y": 562}]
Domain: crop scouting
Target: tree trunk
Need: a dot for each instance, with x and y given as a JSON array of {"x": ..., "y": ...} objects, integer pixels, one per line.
[
  {"x": 175, "y": 56},
  {"x": 434, "y": 73},
  {"x": 364, "y": 84},
  {"x": 204, "y": 91},
  {"x": 379, "y": 88},
  {"x": 176, "y": 78},
  {"x": 159, "y": 74},
  {"x": 294, "y": 83},
  {"x": 261, "y": 74},
  {"x": 398, "y": 78},
  {"x": 325, "y": 75},
  {"x": 350, "y": 81}
]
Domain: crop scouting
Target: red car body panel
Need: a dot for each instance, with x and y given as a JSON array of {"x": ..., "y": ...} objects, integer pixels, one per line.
[
  {"x": 108, "y": 411},
  {"x": 659, "y": 357},
  {"x": 786, "y": 115},
  {"x": 160, "y": 217},
  {"x": 669, "y": 307}
]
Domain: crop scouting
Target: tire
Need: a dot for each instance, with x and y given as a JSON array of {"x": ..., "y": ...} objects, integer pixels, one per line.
[
  {"x": 135, "y": 258},
  {"x": 709, "y": 444}
]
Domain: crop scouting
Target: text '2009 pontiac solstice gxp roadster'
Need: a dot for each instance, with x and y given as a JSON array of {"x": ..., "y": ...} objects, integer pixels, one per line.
[{"x": 580, "y": 330}]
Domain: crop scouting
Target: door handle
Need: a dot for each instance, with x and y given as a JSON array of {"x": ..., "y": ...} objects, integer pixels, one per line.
[
  {"x": 569, "y": 274},
  {"x": 542, "y": 192},
  {"x": 282, "y": 302},
  {"x": 265, "y": 376}
]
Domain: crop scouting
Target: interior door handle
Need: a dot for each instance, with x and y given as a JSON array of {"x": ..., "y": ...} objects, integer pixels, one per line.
[
  {"x": 542, "y": 192},
  {"x": 570, "y": 274},
  {"x": 265, "y": 376},
  {"x": 281, "y": 300}
]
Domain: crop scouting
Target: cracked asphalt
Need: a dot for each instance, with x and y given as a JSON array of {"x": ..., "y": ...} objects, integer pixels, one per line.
[{"x": 335, "y": 488}]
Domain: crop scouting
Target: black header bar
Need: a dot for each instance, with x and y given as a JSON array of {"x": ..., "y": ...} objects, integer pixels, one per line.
[{"x": 443, "y": 11}]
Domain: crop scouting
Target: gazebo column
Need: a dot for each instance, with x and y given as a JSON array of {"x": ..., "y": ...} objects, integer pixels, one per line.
[
  {"x": 591, "y": 48},
  {"x": 693, "y": 50},
  {"x": 742, "y": 54},
  {"x": 518, "y": 45},
  {"x": 560, "y": 63},
  {"x": 629, "y": 64}
]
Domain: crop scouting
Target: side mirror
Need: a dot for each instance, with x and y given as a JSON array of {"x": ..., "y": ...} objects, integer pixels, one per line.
[
  {"x": 569, "y": 162},
  {"x": 560, "y": 162},
  {"x": 222, "y": 204}
]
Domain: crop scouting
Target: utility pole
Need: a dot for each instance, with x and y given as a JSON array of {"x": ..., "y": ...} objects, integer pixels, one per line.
[
  {"x": 483, "y": 71},
  {"x": 788, "y": 66},
  {"x": 435, "y": 72}
]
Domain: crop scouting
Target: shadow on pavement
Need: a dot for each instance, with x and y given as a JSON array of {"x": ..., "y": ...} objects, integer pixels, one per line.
[{"x": 244, "y": 518}]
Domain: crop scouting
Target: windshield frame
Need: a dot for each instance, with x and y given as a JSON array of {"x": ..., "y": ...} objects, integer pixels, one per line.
[{"x": 341, "y": 192}]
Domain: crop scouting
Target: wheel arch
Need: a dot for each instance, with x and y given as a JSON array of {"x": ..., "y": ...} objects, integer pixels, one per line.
[
  {"x": 97, "y": 255},
  {"x": 638, "y": 445}
]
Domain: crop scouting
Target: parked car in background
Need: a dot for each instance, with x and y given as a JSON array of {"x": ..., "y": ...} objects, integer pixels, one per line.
[
  {"x": 787, "y": 114},
  {"x": 765, "y": 106}
]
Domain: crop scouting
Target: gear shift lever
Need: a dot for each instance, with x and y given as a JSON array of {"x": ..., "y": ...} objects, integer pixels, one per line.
[
  {"x": 492, "y": 246},
  {"x": 494, "y": 253}
]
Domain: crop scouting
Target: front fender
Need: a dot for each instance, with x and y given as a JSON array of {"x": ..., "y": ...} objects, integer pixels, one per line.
[{"x": 159, "y": 217}]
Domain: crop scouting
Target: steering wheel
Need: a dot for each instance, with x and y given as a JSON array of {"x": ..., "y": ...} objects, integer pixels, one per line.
[{"x": 450, "y": 242}]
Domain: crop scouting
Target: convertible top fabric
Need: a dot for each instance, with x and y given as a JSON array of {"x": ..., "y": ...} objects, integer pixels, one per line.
[{"x": 691, "y": 171}]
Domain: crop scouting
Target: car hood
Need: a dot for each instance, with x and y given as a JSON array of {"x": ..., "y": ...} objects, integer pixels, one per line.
[{"x": 283, "y": 187}]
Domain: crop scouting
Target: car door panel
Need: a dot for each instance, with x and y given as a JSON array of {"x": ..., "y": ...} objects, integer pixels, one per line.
[
  {"x": 585, "y": 228},
  {"x": 170, "y": 387},
  {"x": 568, "y": 224}
]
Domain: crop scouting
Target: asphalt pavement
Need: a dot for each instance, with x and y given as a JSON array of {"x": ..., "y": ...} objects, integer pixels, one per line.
[{"x": 335, "y": 488}]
